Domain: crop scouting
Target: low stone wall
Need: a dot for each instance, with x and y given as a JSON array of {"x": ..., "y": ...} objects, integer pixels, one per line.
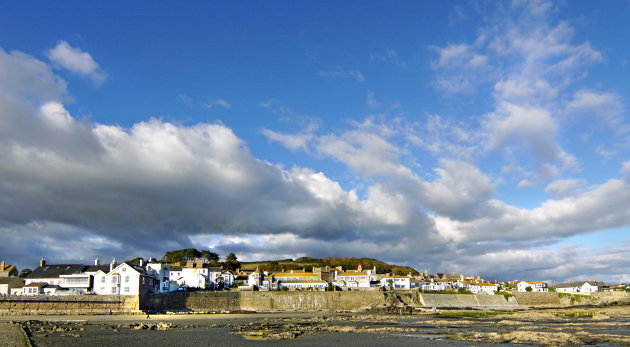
[
  {"x": 70, "y": 305},
  {"x": 495, "y": 300},
  {"x": 466, "y": 300},
  {"x": 566, "y": 299},
  {"x": 537, "y": 299},
  {"x": 262, "y": 301}
]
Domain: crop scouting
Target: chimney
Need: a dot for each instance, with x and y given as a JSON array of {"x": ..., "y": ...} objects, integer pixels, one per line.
[
  {"x": 96, "y": 262},
  {"x": 112, "y": 265},
  {"x": 2, "y": 266},
  {"x": 42, "y": 262},
  {"x": 141, "y": 262}
]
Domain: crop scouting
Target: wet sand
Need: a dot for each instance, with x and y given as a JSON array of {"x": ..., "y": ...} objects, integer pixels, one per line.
[{"x": 600, "y": 325}]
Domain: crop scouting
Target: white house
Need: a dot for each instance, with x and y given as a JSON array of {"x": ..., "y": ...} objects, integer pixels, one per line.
[
  {"x": 162, "y": 274},
  {"x": 481, "y": 288},
  {"x": 536, "y": 286},
  {"x": 294, "y": 279},
  {"x": 228, "y": 278},
  {"x": 196, "y": 275},
  {"x": 397, "y": 282},
  {"x": 34, "y": 288},
  {"x": 126, "y": 279},
  {"x": 315, "y": 284},
  {"x": 579, "y": 287},
  {"x": 17, "y": 291},
  {"x": 431, "y": 285},
  {"x": 7, "y": 283},
  {"x": 255, "y": 278}
]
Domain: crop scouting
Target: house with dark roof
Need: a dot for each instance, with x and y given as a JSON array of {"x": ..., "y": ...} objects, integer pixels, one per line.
[
  {"x": 63, "y": 275},
  {"x": 580, "y": 287}
]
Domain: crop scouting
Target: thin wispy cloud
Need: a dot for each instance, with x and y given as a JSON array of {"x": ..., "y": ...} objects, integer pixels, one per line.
[
  {"x": 338, "y": 72},
  {"x": 76, "y": 61}
]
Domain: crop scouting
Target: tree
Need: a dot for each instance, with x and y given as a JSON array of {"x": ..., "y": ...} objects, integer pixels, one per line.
[
  {"x": 528, "y": 289},
  {"x": 182, "y": 255},
  {"x": 211, "y": 257},
  {"x": 25, "y": 272},
  {"x": 231, "y": 262}
]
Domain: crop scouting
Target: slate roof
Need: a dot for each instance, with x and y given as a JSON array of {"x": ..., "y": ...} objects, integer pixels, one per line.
[
  {"x": 96, "y": 268},
  {"x": 56, "y": 270},
  {"x": 579, "y": 284}
]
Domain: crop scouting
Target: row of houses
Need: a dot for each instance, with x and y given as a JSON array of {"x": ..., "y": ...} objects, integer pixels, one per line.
[
  {"x": 566, "y": 287},
  {"x": 361, "y": 279},
  {"x": 126, "y": 278},
  {"x": 137, "y": 278}
]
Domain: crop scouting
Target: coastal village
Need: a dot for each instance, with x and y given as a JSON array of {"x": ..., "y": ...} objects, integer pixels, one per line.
[{"x": 142, "y": 277}]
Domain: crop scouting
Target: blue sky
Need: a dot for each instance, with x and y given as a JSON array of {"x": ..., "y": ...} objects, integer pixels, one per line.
[{"x": 488, "y": 138}]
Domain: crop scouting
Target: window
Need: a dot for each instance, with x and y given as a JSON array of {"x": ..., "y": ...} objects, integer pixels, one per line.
[
  {"x": 126, "y": 289},
  {"x": 102, "y": 289},
  {"x": 113, "y": 290},
  {"x": 103, "y": 279},
  {"x": 126, "y": 279}
]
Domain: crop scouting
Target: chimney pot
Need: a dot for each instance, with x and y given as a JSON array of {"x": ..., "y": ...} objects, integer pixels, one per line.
[{"x": 42, "y": 262}]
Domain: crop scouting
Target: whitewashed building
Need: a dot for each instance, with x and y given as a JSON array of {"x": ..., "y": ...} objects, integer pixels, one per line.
[
  {"x": 396, "y": 282},
  {"x": 126, "y": 279},
  {"x": 580, "y": 287},
  {"x": 536, "y": 286}
]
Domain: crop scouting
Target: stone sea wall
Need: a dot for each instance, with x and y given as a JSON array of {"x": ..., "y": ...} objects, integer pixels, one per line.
[
  {"x": 466, "y": 300},
  {"x": 537, "y": 299},
  {"x": 262, "y": 301},
  {"x": 70, "y": 305},
  {"x": 203, "y": 301},
  {"x": 561, "y": 299}
]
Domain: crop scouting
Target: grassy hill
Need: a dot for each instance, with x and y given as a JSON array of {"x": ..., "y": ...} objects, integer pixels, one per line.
[{"x": 308, "y": 264}]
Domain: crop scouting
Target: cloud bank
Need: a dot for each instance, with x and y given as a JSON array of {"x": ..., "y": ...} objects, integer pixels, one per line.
[{"x": 71, "y": 189}]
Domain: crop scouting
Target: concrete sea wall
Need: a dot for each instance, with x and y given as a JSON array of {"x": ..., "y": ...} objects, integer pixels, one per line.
[{"x": 70, "y": 305}]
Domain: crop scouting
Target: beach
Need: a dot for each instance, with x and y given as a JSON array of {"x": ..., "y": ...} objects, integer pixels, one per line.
[{"x": 561, "y": 326}]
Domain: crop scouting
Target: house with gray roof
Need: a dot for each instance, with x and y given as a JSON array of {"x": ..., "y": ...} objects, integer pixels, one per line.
[{"x": 580, "y": 287}]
